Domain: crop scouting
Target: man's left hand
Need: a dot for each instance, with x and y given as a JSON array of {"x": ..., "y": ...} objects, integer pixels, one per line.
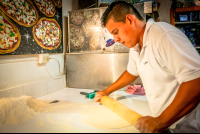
[{"x": 149, "y": 124}]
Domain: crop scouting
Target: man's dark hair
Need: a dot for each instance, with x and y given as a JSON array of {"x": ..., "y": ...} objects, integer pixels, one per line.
[{"x": 118, "y": 11}]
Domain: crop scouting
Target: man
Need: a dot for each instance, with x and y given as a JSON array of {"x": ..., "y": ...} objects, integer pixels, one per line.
[{"x": 166, "y": 61}]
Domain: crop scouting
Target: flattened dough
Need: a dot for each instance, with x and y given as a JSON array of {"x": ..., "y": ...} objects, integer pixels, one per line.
[{"x": 102, "y": 117}]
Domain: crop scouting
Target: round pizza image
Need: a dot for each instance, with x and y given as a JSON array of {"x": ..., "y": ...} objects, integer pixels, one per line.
[
  {"x": 88, "y": 27},
  {"x": 21, "y": 11},
  {"x": 96, "y": 15},
  {"x": 46, "y": 7},
  {"x": 94, "y": 42},
  {"x": 47, "y": 33},
  {"x": 96, "y": 18},
  {"x": 88, "y": 14},
  {"x": 9, "y": 35},
  {"x": 77, "y": 37},
  {"x": 76, "y": 17},
  {"x": 58, "y": 3}
]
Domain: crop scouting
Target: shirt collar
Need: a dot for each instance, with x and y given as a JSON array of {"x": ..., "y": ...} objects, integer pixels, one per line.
[
  {"x": 150, "y": 22},
  {"x": 136, "y": 47}
]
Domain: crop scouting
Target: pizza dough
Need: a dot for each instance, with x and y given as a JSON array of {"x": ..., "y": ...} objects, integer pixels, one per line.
[{"x": 102, "y": 117}]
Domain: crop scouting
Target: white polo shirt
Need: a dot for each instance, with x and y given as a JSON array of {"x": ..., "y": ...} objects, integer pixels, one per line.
[{"x": 167, "y": 59}]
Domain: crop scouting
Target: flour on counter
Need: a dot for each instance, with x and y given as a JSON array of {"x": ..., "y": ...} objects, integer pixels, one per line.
[
  {"x": 35, "y": 104},
  {"x": 19, "y": 110}
]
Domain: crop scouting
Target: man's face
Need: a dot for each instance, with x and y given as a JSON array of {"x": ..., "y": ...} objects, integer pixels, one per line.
[{"x": 124, "y": 33}]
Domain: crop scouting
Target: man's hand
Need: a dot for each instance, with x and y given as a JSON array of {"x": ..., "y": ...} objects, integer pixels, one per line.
[
  {"x": 149, "y": 124},
  {"x": 125, "y": 79},
  {"x": 99, "y": 95}
]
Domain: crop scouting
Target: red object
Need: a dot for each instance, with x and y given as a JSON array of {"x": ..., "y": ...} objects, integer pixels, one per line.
[{"x": 136, "y": 90}]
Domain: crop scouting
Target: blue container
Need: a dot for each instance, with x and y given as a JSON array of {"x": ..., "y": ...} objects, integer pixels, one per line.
[{"x": 110, "y": 42}]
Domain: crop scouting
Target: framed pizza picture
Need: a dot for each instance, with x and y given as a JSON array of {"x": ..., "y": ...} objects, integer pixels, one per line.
[
  {"x": 85, "y": 30},
  {"x": 46, "y": 7},
  {"x": 58, "y": 3},
  {"x": 31, "y": 27},
  {"x": 9, "y": 35},
  {"x": 22, "y": 12},
  {"x": 47, "y": 33}
]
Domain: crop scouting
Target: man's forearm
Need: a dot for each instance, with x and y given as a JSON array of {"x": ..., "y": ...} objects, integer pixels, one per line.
[
  {"x": 125, "y": 79},
  {"x": 187, "y": 98}
]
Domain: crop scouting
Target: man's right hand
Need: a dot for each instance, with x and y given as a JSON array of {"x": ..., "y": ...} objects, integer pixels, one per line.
[
  {"x": 99, "y": 95},
  {"x": 125, "y": 79}
]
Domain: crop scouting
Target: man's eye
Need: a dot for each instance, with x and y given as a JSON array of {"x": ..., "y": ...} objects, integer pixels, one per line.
[{"x": 116, "y": 32}]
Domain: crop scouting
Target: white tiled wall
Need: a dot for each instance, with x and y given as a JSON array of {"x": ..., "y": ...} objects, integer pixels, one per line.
[
  {"x": 54, "y": 85},
  {"x": 13, "y": 92},
  {"x": 14, "y": 74},
  {"x": 36, "y": 89},
  {"x": 22, "y": 76}
]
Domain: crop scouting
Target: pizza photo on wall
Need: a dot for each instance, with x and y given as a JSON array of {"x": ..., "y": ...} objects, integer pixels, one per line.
[
  {"x": 21, "y": 11},
  {"x": 85, "y": 30},
  {"x": 77, "y": 37},
  {"x": 88, "y": 27},
  {"x": 9, "y": 35},
  {"x": 94, "y": 42},
  {"x": 46, "y": 7},
  {"x": 88, "y": 14},
  {"x": 47, "y": 33},
  {"x": 76, "y": 17},
  {"x": 58, "y": 3}
]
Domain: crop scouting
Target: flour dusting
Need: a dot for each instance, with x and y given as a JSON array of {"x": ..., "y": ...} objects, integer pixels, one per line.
[{"x": 19, "y": 110}]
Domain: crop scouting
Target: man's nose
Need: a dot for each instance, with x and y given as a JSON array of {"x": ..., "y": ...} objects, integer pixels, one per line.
[{"x": 116, "y": 39}]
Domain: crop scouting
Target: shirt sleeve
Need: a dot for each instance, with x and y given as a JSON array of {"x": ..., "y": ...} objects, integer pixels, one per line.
[
  {"x": 131, "y": 67},
  {"x": 179, "y": 55}
]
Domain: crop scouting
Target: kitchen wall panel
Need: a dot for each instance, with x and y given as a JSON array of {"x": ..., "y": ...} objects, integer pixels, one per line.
[{"x": 95, "y": 71}]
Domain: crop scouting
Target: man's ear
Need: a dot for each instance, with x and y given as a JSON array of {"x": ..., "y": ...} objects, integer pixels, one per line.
[{"x": 130, "y": 19}]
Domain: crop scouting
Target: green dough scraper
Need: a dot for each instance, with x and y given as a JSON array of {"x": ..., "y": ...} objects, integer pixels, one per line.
[{"x": 89, "y": 95}]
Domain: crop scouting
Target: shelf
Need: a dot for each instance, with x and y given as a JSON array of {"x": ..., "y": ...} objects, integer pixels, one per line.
[
  {"x": 187, "y": 22},
  {"x": 197, "y": 47},
  {"x": 179, "y": 10},
  {"x": 187, "y": 9}
]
